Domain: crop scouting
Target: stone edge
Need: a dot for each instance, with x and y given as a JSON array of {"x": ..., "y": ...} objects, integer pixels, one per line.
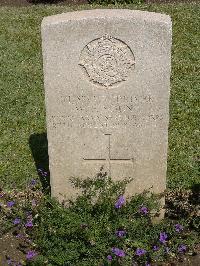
[{"x": 104, "y": 14}]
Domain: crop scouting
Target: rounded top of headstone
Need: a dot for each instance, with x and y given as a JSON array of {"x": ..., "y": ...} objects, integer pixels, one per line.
[{"x": 107, "y": 13}]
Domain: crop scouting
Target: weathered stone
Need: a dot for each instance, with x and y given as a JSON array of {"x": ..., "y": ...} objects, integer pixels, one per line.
[{"x": 107, "y": 83}]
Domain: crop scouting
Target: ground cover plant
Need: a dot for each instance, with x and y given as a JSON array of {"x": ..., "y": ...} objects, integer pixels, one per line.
[{"x": 101, "y": 227}]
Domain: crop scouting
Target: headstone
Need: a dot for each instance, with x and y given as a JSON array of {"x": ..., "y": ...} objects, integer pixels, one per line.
[{"x": 107, "y": 84}]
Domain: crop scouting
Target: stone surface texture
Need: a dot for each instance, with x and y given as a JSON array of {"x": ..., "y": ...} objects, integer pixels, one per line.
[{"x": 107, "y": 85}]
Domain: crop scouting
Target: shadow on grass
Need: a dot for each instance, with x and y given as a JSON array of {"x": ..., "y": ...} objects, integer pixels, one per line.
[
  {"x": 195, "y": 196},
  {"x": 39, "y": 147}
]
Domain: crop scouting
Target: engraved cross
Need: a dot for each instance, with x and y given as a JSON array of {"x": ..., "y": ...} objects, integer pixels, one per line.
[{"x": 108, "y": 158}]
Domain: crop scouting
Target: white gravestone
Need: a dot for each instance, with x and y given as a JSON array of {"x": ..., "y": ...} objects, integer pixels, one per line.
[{"x": 107, "y": 84}]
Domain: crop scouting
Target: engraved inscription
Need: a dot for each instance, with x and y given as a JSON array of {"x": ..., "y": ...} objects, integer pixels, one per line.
[
  {"x": 103, "y": 121},
  {"x": 107, "y": 61},
  {"x": 82, "y": 111}
]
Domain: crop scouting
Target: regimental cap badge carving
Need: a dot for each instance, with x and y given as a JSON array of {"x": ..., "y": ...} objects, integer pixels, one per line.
[{"x": 107, "y": 61}]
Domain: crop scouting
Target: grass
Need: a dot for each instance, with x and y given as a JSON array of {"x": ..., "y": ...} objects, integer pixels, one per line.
[{"x": 22, "y": 94}]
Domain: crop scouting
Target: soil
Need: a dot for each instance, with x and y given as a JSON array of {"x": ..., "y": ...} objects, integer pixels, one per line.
[{"x": 10, "y": 249}]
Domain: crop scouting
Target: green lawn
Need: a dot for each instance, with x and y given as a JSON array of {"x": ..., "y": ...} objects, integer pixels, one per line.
[{"x": 22, "y": 93}]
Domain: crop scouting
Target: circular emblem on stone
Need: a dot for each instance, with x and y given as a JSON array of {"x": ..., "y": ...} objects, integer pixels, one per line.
[{"x": 107, "y": 61}]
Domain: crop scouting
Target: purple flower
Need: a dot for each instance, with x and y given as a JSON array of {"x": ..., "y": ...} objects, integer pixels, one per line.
[
  {"x": 2, "y": 194},
  {"x": 147, "y": 264},
  {"x": 120, "y": 202},
  {"x": 144, "y": 210},
  {"x": 109, "y": 258},
  {"x": 9, "y": 261},
  {"x": 30, "y": 254},
  {"x": 140, "y": 251},
  {"x": 17, "y": 221},
  {"x": 10, "y": 204},
  {"x": 45, "y": 173},
  {"x": 163, "y": 237},
  {"x": 155, "y": 248},
  {"x": 178, "y": 228},
  {"x": 182, "y": 248},
  {"x": 42, "y": 172},
  {"x": 120, "y": 233},
  {"x": 29, "y": 224},
  {"x": 33, "y": 182},
  {"x": 118, "y": 252}
]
